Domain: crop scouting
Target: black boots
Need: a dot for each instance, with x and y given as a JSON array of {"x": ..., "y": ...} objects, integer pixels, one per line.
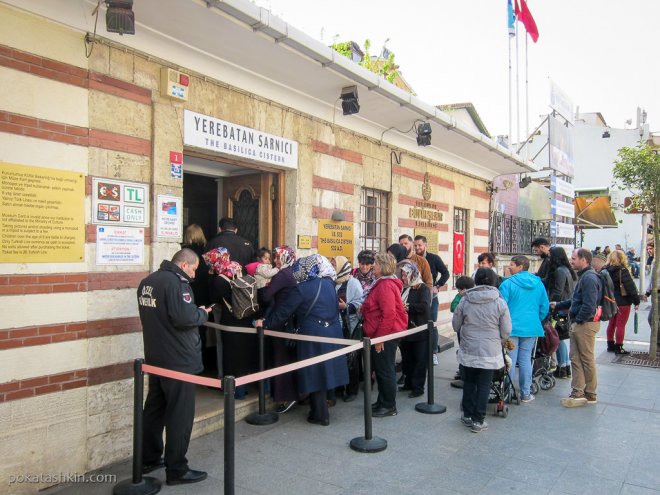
[
  {"x": 618, "y": 349},
  {"x": 562, "y": 372},
  {"x": 610, "y": 346}
]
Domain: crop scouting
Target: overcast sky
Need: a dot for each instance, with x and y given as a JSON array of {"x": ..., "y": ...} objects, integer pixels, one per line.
[{"x": 604, "y": 54}]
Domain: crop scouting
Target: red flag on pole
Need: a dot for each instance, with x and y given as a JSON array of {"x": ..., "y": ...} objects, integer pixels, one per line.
[
  {"x": 525, "y": 16},
  {"x": 459, "y": 252}
]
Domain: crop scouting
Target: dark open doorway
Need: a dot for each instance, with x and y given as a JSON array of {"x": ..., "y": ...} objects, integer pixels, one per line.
[{"x": 200, "y": 200}]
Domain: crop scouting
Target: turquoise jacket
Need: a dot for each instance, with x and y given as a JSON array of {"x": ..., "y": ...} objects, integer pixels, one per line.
[{"x": 528, "y": 304}]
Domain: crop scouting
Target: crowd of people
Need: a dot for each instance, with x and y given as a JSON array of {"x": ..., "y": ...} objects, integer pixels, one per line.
[{"x": 388, "y": 292}]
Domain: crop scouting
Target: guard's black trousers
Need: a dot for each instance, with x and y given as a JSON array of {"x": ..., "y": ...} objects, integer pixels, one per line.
[{"x": 170, "y": 405}]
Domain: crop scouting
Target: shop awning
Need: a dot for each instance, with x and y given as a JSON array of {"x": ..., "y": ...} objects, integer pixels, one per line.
[{"x": 594, "y": 211}]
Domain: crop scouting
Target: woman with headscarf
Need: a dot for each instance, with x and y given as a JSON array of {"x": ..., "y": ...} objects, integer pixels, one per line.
[
  {"x": 284, "y": 387},
  {"x": 314, "y": 303},
  {"x": 384, "y": 314},
  {"x": 349, "y": 295},
  {"x": 237, "y": 352},
  {"x": 416, "y": 298}
]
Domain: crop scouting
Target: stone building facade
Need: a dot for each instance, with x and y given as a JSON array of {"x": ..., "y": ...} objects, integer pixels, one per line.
[{"x": 70, "y": 330}]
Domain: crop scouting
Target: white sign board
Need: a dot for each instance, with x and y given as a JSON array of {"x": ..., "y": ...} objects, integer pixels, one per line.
[
  {"x": 168, "y": 216},
  {"x": 560, "y": 229},
  {"x": 119, "y": 245},
  {"x": 209, "y": 133},
  {"x": 560, "y": 102},
  {"x": 562, "y": 187},
  {"x": 115, "y": 202},
  {"x": 561, "y": 208}
]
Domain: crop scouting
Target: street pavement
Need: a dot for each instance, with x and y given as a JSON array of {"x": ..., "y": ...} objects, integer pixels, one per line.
[{"x": 540, "y": 448}]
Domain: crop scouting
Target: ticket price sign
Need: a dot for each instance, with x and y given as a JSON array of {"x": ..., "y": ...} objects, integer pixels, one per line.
[
  {"x": 335, "y": 239},
  {"x": 42, "y": 215},
  {"x": 117, "y": 202}
]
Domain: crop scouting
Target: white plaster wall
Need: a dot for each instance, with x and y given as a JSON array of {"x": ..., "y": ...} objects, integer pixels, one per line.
[
  {"x": 42, "y": 309},
  {"x": 28, "y": 362},
  {"x": 44, "y": 98}
]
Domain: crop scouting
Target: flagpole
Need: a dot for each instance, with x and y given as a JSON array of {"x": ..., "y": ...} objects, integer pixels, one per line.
[
  {"x": 510, "y": 98},
  {"x": 526, "y": 98},
  {"x": 517, "y": 93}
]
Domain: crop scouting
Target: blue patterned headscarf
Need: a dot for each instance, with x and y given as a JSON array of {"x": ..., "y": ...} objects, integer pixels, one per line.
[{"x": 313, "y": 266}]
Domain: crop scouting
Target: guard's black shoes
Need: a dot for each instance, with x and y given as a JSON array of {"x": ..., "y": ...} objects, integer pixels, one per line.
[
  {"x": 191, "y": 476},
  {"x": 381, "y": 412},
  {"x": 152, "y": 466}
]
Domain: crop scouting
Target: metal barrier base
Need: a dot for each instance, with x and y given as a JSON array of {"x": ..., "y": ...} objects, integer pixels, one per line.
[
  {"x": 148, "y": 486},
  {"x": 426, "y": 408},
  {"x": 372, "y": 445},
  {"x": 262, "y": 419}
]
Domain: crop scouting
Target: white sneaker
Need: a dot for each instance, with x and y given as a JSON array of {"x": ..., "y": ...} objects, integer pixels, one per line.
[{"x": 435, "y": 359}]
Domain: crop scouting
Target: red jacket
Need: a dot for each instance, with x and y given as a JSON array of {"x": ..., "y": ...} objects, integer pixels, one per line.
[{"x": 383, "y": 310}]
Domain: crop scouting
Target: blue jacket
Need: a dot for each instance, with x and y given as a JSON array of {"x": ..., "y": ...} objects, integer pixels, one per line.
[{"x": 528, "y": 304}]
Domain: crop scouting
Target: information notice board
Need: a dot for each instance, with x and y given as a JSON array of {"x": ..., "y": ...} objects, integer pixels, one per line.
[
  {"x": 335, "y": 239},
  {"x": 42, "y": 215}
]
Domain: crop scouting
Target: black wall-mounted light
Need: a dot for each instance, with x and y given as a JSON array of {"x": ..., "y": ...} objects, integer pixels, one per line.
[
  {"x": 424, "y": 134},
  {"x": 606, "y": 134},
  {"x": 119, "y": 18},
  {"x": 524, "y": 182},
  {"x": 349, "y": 100}
]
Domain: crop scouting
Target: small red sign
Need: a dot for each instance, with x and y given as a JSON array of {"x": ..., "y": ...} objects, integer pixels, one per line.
[
  {"x": 459, "y": 252},
  {"x": 176, "y": 157},
  {"x": 184, "y": 80}
]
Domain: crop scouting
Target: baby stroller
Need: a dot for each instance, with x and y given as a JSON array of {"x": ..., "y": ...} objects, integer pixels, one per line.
[
  {"x": 541, "y": 370},
  {"x": 501, "y": 391}
]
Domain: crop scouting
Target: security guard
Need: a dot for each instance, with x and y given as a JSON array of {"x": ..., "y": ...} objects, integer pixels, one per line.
[{"x": 171, "y": 340}]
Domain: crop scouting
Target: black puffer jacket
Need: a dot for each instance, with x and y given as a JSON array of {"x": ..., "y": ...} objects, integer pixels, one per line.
[
  {"x": 621, "y": 277},
  {"x": 170, "y": 319}
]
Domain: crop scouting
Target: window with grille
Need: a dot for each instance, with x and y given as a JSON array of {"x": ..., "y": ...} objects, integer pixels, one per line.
[
  {"x": 461, "y": 225},
  {"x": 374, "y": 216}
]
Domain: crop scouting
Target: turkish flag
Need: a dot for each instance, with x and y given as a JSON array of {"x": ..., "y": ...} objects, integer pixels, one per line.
[
  {"x": 459, "y": 252},
  {"x": 525, "y": 16}
]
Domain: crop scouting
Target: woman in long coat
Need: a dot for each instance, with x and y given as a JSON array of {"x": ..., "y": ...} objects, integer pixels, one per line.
[
  {"x": 238, "y": 352},
  {"x": 416, "y": 298},
  {"x": 626, "y": 295},
  {"x": 314, "y": 303},
  {"x": 561, "y": 284},
  {"x": 284, "y": 387}
]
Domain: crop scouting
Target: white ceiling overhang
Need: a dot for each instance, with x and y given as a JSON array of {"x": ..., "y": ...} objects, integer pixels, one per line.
[{"x": 244, "y": 46}]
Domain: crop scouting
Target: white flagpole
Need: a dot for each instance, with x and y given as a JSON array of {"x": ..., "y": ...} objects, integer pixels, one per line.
[
  {"x": 510, "y": 98},
  {"x": 517, "y": 92},
  {"x": 526, "y": 98}
]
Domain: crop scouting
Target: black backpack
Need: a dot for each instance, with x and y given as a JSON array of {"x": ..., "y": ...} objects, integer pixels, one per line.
[
  {"x": 607, "y": 303},
  {"x": 243, "y": 296}
]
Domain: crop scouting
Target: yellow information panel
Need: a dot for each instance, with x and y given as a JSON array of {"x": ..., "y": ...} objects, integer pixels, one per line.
[
  {"x": 43, "y": 215},
  {"x": 431, "y": 239},
  {"x": 336, "y": 239}
]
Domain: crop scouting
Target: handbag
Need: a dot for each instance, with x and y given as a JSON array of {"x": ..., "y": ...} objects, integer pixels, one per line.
[
  {"x": 291, "y": 342},
  {"x": 563, "y": 326},
  {"x": 622, "y": 288}
]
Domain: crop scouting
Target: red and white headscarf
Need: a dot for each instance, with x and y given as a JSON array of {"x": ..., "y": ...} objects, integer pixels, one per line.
[
  {"x": 218, "y": 260},
  {"x": 285, "y": 254}
]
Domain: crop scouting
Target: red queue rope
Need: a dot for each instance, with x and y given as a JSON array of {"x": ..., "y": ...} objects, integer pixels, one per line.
[{"x": 351, "y": 345}]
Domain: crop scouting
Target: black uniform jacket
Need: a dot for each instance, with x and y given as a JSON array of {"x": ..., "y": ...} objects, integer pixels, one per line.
[{"x": 170, "y": 319}]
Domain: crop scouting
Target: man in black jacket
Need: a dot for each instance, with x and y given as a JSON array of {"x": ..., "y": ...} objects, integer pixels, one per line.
[
  {"x": 541, "y": 247},
  {"x": 440, "y": 276},
  {"x": 583, "y": 307},
  {"x": 170, "y": 322},
  {"x": 240, "y": 249}
]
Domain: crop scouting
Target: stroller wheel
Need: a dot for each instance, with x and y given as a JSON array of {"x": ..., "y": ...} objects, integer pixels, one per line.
[
  {"x": 546, "y": 382},
  {"x": 534, "y": 388},
  {"x": 505, "y": 411}
]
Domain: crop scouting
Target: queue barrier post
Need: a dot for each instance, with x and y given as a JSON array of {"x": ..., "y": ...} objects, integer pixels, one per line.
[
  {"x": 367, "y": 443},
  {"x": 261, "y": 418},
  {"x": 138, "y": 484},
  {"x": 430, "y": 407},
  {"x": 228, "y": 384}
]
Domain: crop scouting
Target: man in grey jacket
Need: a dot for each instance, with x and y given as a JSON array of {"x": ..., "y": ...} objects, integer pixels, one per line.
[{"x": 583, "y": 307}]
